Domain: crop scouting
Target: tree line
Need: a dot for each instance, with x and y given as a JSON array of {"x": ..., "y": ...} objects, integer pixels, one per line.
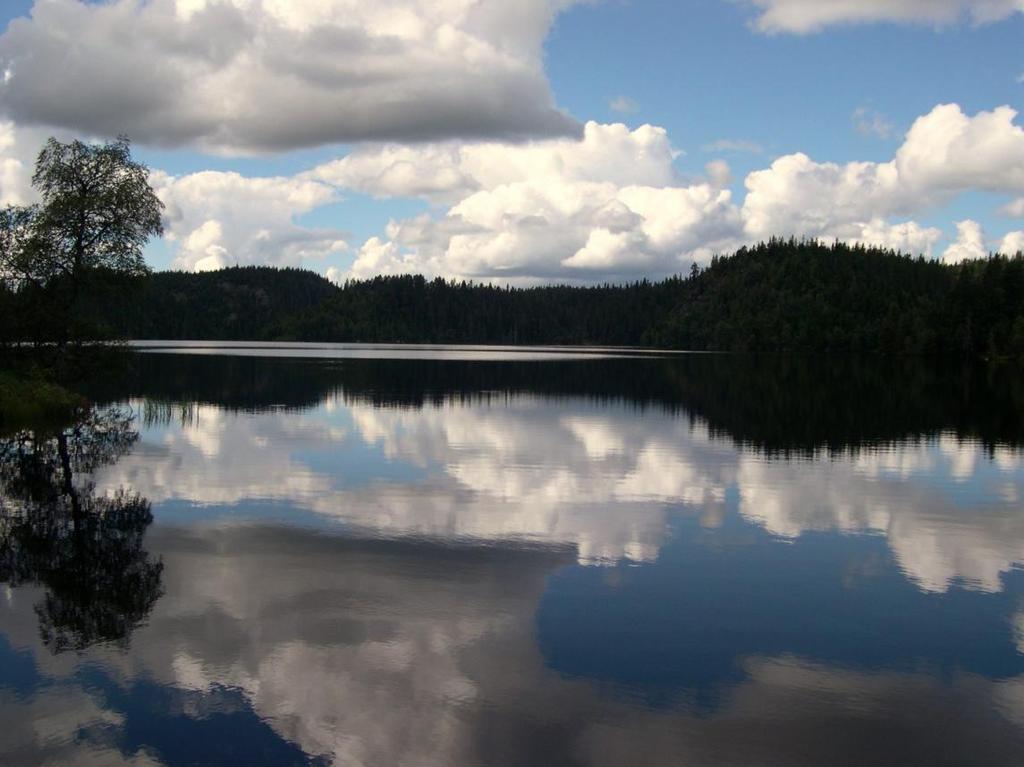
[
  {"x": 782, "y": 295},
  {"x": 72, "y": 271},
  {"x": 68, "y": 260}
]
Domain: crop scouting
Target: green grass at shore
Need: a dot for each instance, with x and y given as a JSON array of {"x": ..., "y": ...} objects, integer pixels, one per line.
[{"x": 28, "y": 400}]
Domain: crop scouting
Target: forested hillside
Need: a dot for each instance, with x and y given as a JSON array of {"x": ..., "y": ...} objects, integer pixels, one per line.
[
  {"x": 778, "y": 296},
  {"x": 232, "y": 304},
  {"x": 787, "y": 295}
]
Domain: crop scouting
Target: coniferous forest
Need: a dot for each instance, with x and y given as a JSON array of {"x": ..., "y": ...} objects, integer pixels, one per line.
[{"x": 783, "y": 295}]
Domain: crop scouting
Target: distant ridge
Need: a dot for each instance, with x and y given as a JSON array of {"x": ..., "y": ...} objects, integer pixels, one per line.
[{"x": 782, "y": 295}]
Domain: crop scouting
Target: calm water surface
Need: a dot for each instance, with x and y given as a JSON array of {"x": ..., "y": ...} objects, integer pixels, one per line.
[{"x": 469, "y": 557}]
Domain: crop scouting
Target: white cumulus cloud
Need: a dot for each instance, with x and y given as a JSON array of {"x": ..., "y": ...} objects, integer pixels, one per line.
[
  {"x": 217, "y": 219},
  {"x": 14, "y": 170},
  {"x": 19, "y": 147},
  {"x": 587, "y": 231},
  {"x": 612, "y": 205},
  {"x": 905, "y": 237},
  {"x": 945, "y": 153},
  {"x": 806, "y": 16},
  {"x": 1012, "y": 243},
  {"x": 608, "y": 206},
  {"x": 719, "y": 173},
  {"x": 452, "y": 171},
  {"x": 256, "y": 75},
  {"x": 969, "y": 244}
]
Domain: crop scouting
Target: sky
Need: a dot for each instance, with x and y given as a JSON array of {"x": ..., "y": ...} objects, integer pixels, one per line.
[{"x": 574, "y": 141}]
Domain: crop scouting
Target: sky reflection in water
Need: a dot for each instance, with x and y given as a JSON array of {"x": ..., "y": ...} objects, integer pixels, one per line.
[{"x": 698, "y": 561}]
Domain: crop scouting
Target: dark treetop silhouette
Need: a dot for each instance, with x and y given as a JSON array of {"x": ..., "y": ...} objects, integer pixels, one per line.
[
  {"x": 71, "y": 269},
  {"x": 83, "y": 239},
  {"x": 778, "y": 296}
]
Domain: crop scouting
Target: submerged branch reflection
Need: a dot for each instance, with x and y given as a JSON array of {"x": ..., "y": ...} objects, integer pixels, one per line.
[
  {"x": 86, "y": 549},
  {"x": 394, "y": 564}
]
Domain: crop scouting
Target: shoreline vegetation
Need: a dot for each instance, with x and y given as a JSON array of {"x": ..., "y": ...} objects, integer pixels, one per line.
[
  {"x": 73, "y": 275},
  {"x": 782, "y": 296},
  {"x": 779, "y": 296},
  {"x": 78, "y": 247},
  {"x": 30, "y": 399}
]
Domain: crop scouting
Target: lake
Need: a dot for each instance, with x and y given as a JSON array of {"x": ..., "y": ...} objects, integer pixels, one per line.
[{"x": 380, "y": 555}]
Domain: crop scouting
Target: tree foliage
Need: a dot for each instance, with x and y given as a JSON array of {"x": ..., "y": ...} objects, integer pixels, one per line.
[
  {"x": 783, "y": 295},
  {"x": 96, "y": 212},
  {"x": 98, "y": 209}
]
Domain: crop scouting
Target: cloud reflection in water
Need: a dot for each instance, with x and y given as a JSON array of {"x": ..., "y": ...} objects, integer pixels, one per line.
[
  {"x": 603, "y": 479},
  {"x": 355, "y": 582}
]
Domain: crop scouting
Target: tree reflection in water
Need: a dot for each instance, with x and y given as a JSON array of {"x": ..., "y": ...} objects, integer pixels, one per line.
[{"x": 85, "y": 549}]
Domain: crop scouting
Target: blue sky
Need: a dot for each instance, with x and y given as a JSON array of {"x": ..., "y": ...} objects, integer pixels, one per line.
[
  {"x": 698, "y": 69},
  {"x": 707, "y": 72}
]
